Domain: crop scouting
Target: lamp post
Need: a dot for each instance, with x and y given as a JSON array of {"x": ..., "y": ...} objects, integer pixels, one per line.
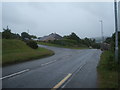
[{"x": 116, "y": 31}]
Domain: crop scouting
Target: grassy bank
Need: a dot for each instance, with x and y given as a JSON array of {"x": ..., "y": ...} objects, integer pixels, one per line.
[
  {"x": 14, "y": 51},
  {"x": 107, "y": 71},
  {"x": 56, "y": 45}
]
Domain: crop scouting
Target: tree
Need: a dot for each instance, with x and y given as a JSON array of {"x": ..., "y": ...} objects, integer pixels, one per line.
[
  {"x": 87, "y": 41},
  {"x": 108, "y": 40},
  {"x": 72, "y": 36},
  {"x": 25, "y": 35},
  {"x": 113, "y": 41},
  {"x": 94, "y": 41},
  {"x": 0, "y": 35},
  {"x": 33, "y": 36},
  {"x": 6, "y": 33},
  {"x": 16, "y": 36}
]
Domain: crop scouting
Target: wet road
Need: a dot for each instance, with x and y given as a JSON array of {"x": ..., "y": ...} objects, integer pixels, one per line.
[{"x": 68, "y": 68}]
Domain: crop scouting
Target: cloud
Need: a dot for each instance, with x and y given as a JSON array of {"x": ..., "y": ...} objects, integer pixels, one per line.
[{"x": 63, "y": 18}]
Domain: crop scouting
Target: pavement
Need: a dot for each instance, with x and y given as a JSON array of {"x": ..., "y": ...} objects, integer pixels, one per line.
[{"x": 68, "y": 68}]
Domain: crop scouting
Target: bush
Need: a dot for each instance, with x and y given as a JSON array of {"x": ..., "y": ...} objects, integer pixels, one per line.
[
  {"x": 96, "y": 45},
  {"x": 32, "y": 44},
  {"x": 64, "y": 42}
]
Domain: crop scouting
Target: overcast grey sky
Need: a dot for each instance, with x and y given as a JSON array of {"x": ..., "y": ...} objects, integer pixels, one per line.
[{"x": 59, "y": 17}]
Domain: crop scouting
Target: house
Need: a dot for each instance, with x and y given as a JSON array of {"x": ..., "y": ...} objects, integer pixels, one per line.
[
  {"x": 105, "y": 46},
  {"x": 51, "y": 37},
  {"x": 34, "y": 39}
]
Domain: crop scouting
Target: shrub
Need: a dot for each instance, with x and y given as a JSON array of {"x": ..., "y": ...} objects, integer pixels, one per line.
[
  {"x": 32, "y": 44},
  {"x": 96, "y": 45},
  {"x": 64, "y": 42}
]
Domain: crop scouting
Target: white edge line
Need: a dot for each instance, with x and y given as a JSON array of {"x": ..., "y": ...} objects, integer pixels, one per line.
[{"x": 14, "y": 74}]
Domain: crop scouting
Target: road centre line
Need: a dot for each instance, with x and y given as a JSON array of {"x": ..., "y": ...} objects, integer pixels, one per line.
[
  {"x": 48, "y": 62},
  {"x": 14, "y": 74},
  {"x": 67, "y": 79},
  {"x": 73, "y": 73},
  {"x": 61, "y": 82},
  {"x": 51, "y": 61},
  {"x": 23, "y": 71}
]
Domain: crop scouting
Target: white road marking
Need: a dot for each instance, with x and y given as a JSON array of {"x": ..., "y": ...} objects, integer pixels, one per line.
[
  {"x": 14, "y": 74},
  {"x": 52, "y": 61},
  {"x": 48, "y": 62}
]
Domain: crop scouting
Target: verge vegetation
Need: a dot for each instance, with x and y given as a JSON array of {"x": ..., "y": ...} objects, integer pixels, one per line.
[
  {"x": 107, "y": 71},
  {"x": 14, "y": 51},
  {"x": 108, "y": 68},
  {"x": 72, "y": 41},
  {"x": 62, "y": 46}
]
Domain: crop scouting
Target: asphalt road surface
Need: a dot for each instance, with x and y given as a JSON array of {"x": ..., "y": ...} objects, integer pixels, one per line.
[{"x": 68, "y": 68}]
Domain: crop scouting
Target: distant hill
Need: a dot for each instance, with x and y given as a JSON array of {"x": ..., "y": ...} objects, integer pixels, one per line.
[{"x": 99, "y": 39}]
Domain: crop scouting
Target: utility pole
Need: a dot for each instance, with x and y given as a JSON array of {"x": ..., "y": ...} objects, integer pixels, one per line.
[
  {"x": 28, "y": 31},
  {"x": 116, "y": 31},
  {"x": 102, "y": 30}
]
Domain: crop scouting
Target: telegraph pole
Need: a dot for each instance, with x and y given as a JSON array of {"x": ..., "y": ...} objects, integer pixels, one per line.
[
  {"x": 116, "y": 31},
  {"x": 28, "y": 31},
  {"x": 102, "y": 30}
]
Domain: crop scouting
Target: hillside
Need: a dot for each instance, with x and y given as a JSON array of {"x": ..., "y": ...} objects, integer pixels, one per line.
[{"x": 14, "y": 51}]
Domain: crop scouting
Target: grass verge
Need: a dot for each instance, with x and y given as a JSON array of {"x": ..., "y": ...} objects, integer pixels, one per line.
[
  {"x": 14, "y": 51},
  {"x": 56, "y": 45},
  {"x": 107, "y": 71}
]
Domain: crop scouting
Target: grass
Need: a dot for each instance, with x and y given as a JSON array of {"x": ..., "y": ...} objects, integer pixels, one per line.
[
  {"x": 107, "y": 71},
  {"x": 14, "y": 51},
  {"x": 56, "y": 45}
]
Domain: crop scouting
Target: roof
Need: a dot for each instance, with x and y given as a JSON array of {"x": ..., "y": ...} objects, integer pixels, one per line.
[{"x": 52, "y": 36}]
